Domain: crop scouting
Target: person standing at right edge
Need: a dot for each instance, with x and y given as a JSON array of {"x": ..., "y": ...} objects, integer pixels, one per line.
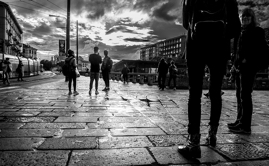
[
  {"x": 211, "y": 25},
  {"x": 248, "y": 61},
  {"x": 95, "y": 59},
  {"x": 106, "y": 68}
]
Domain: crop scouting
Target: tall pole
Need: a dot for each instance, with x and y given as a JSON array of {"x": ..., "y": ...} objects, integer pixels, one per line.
[
  {"x": 77, "y": 41},
  {"x": 68, "y": 26}
]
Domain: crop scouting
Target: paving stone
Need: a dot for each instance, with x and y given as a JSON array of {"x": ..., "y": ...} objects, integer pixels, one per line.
[
  {"x": 8, "y": 110},
  {"x": 122, "y": 119},
  {"x": 170, "y": 155},
  {"x": 256, "y": 137},
  {"x": 11, "y": 133},
  {"x": 259, "y": 129},
  {"x": 131, "y": 156},
  {"x": 246, "y": 151},
  {"x": 69, "y": 143},
  {"x": 19, "y": 143},
  {"x": 57, "y": 114},
  {"x": 140, "y": 124},
  {"x": 20, "y": 113},
  {"x": 30, "y": 119},
  {"x": 88, "y": 114},
  {"x": 75, "y": 119},
  {"x": 167, "y": 140},
  {"x": 85, "y": 132},
  {"x": 136, "y": 131},
  {"x": 53, "y": 126},
  {"x": 11, "y": 125},
  {"x": 245, "y": 163},
  {"x": 124, "y": 142},
  {"x": 26, "y": 158},
  {"x": 225, "y": 138},
  {"x": 173, "y": 128}
]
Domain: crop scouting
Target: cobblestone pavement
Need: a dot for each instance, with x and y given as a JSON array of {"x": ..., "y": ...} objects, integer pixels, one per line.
[{"x": 132, "y": 124}]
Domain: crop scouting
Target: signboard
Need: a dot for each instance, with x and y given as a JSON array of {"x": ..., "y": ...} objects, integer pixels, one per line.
[{"x": 61, "y": 47}]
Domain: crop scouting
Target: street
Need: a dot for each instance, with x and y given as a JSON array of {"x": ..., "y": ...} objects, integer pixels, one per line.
[{"x": 132, "y": 124}]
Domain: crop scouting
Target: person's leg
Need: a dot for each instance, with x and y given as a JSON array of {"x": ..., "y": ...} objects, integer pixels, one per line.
[
  {"x": 163, "y": 81},
  {"x": 69, "y": 84},
  {"x": 75, "y": 83},
  {"x": 96, "y": 82},
  {"x": 247, "y": 81},
  {"x": 107, "y": 80},
  {"x": 159, "y": 80},
  {"x": 8, "y": 75},
  {"x": 104, "y": 77},
  {"x": 175, "y": 81},
  {"x": 217, "y": 72},
  {"x": 91, "y": 80},
  {"x": 195, "y": 74}
]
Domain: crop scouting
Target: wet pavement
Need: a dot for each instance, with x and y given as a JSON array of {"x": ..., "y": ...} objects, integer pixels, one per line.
[{"x": 132, "y": 124}]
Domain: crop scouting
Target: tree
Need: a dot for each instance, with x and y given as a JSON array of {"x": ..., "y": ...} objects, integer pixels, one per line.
[{"x": 47, "y": 65}]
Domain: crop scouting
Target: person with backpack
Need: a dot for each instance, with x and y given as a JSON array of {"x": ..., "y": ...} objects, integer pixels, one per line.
[
  {"x": 173, "y": 74},
  {"x": 71, "y": 62},
  {"x": 162, "y": 70},
  {"x": 211, "y": 25},
  {"x": 250, "y": 58},
  {"x": 106, "y": 68},
  {"x": 95, "y": 60},
  {"x": 125, "y": 70}
]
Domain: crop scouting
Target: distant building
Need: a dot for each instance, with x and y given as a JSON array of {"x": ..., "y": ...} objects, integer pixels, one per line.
[
  {"x": 169, "y": 48},
  {"x": 10, "y": 31},
  {"x": 29, "y": 52}
]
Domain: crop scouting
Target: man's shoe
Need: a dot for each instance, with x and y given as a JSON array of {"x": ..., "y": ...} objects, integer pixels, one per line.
[
  {"x": 96, "y": 92},
  {"x": 69, "y": 93},
  {"x": 233, "y": 124},
  {"x": 108, "y": 89},
  {"x": 75, "y": 93},
  {"x": 211, "y": 139},
  {"x": 239, "y": 129},
  {"x": 175, "y": 88},
  {"x": 192, "y": 149},
  {"x": 105, "y": 89}
]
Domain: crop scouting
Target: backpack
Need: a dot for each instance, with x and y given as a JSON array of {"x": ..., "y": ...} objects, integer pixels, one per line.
[
  {"x": 209, "y": 20},
  {"x": 66, "y": 68}
]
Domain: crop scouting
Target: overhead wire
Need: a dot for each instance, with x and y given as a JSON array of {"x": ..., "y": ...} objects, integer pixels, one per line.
[
  {"x": 57, "y": 6},
  {"x": 43, "y": 6},
  {"x": 10, "y": 3}
]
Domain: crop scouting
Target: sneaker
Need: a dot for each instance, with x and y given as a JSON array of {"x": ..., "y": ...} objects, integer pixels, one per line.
[
  {"x": 175, "y": 88},
  {"x": 69, "y": 93},
  {"x": 90, "y": 92},
  {"x": 239, "y": 129},
  {"x": 75, "y": 93},
  {"x": 108, "y": 88},
  {"x": 105, "y": 89},
  {"x": 96, "y": 92}
]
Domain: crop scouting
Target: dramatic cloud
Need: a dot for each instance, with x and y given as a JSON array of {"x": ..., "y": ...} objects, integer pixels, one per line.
[{"x": 120, "y": 26}]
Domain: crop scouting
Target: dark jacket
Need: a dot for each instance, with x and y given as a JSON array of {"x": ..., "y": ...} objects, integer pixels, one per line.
[
  {"x": 250, "y": 47},
  {"x": 71, "y": 61},
  {"x": 173, "y": 70},
  {"x": 106, "y": 64},
  {"x": 163, "y": 67},
  {"x": 125, "y": 71},
  {"x": 95, "y": 60}
]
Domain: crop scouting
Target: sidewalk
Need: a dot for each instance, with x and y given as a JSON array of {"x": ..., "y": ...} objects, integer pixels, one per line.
[
  {"x": 132, "y": 124},
  {"x": 42, "y": 75}
]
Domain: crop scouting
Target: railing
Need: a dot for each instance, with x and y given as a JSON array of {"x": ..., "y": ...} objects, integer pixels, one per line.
[{"x": 181, "y": 80}]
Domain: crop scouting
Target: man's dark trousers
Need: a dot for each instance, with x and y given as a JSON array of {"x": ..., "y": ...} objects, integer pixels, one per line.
[
  {"x": 105, "y": 74},
  {"x": 215, "y": 57}
]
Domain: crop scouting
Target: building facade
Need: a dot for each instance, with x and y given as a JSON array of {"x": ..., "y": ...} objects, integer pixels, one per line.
[
  {"x": 10, "y": 31},
  {"x": 170, "y": 48},
  {"x": 29, "y": 52}
]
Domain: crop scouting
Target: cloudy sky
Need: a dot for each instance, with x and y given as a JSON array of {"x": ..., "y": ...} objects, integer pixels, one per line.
[{"x": 120, "y": 26}]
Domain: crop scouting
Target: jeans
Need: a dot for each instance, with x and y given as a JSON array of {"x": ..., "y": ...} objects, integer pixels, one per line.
[
  {"x": 72, "y": 77},
  {"x": 105, "y": 75},
  {"x": 161, "y": 80},
  {"x": 94, "y": 76},
  {"x": 174, "y": 78},
  {"x": 244, "y": 86},
  {"x": 125, "y": 78}
]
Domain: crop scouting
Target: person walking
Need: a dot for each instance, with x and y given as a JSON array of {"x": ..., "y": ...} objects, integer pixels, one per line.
[
  {"x": 20, "y": 71},
  {"x": 211, "y": 25},
  {"x": 172, "y": 74},
  {"x": 72, "y": 76},
  {"x": 6, "y": 71},
  {"x": 162, "y": 70},
  {"x": 95, "y": 60},
  {"x": 247, "y": 63},
  {"x": 125, "y": 70},
  {"x": 106, "y": 69}
]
